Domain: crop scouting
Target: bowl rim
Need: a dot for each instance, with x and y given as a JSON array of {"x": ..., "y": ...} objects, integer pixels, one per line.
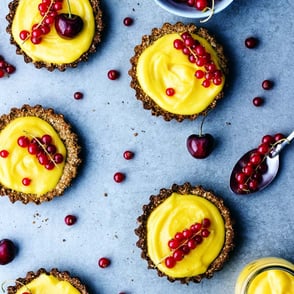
[{"x": 185, "y": 11}]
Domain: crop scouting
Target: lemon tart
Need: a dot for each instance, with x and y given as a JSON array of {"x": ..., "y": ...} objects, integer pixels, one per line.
[
  {"x": 179, "y": 71},
  {"x": 55, "y": 34},
  {"x": 185, "y": 233},
  {"x": 39, "y": 154},
  {"x": 44, "y": 282}
]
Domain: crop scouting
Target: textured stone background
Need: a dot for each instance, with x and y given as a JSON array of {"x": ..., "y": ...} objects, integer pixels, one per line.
[{"x": 110, "y": 120}]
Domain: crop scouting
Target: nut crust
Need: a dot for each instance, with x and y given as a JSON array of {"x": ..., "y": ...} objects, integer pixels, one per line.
[
  {"x": 69, "y": 139},
  {"x": 185, "y": 189},
  {"x": 148, "y": 40},
  {"x": 62, "y": 276},
  {"x": 99, "y": 26}
]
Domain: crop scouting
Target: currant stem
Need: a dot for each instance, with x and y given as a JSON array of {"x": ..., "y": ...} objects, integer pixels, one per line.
[
  {"x": 211, "y": 9},
  {"x": 42, "y": 146}
]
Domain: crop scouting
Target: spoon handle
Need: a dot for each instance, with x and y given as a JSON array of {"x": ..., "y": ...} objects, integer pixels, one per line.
[{"x": 282, "y": 145}]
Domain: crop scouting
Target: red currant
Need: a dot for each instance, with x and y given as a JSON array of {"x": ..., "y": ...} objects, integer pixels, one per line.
[
  {"x": 4, "y": 153},
  {"x": 78, "y": 95},
  {"x": 170, "y": 262},
  {"x": 70, "y": 219},
  {"x": 267, "y": 84},
  {"x": 26, "y": 181},
  {"x": 258, "y": 101},
  {"x": 104, "y": 262},
  {"x": 279, "y": 137},
  {"x": 128, "y": 155},
  {"x": 178, "y": 255},
  {"x": 173, "y": 244},
  {"x": 113, "y": 74},
  {"x": 251, "y": 42},
  {"x": 119, "y": 177},
  {"x": 170, "y": 91},
  {"x": 128, "y": 21}
]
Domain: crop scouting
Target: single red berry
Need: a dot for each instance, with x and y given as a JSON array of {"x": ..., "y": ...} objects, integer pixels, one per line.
[
  {"x": 199, "y": 74},
  {"x": 185, "y": 249},
  {"x": 23, "y": 35},
  {"x": 113, "y": 74},
  {"x": 192, "y": 244},
  {"x": 198, "y": 239},
  {"x": 50, "y": 165},
  {"x": 70, "y": 219},
  {"x": 170, "y": 262},
  {"x": 104, "y": 262},
  {"x": 205, "y": 233},
  {"x": 23, "y": 141},
  {"x": 170, "y": 91},
  {"x": 178, "y": 44},
  {"x": 58, "y": 158},
  {"x": 33, "y": 148},
  {"x": 173, "y": 244},
  {"x": 241, "y": 177},
  {"x": 119, "y": 177},
  {"x": 196, "y": 227},
  {"x": 201, "y": 4},
  {"x": 43, "y": 158},
  {"x": 26, "y": 181},
  {"x": 178, "y": 255},
  {"x": 128, "y": 155},
  {"x": 257, "y": 101},
  {"x": 253, "y": 185},
  {"x": 247, "y": 170},
  {"x": 4, "y": 153},
  {"x": 128, "y": 21},
  {"x": 251, "y": 42},
  {"x": 179, "y": 236},
  {"x": 267, "y": 84},
  {"x": 46, "y": 139},
  {"x": 263, "y": 148},
  {"x": 206, "y": 222},
  {"x": 78, "y": 95},
  {"x": 268, "y": 139},
  {"x": 279, "y": 137},
  {"x": 187, "y": 233},
  {"x": 255, "y": 158},
  {"x": 51, "y": 149},
  {"x": 10, "y": 69}
]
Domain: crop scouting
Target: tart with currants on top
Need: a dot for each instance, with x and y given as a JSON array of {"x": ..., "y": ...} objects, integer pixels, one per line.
[
  {"x": 179, "y": 71},
  {"x": 185, "y": 233},
  {"x": 55, "y": 34},
  {"x": 39, "y": 154},
  {"x": 44, "y": 282}
]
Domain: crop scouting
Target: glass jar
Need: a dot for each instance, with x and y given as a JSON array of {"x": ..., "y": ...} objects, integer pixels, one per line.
[{"x": 266, "y": 275}]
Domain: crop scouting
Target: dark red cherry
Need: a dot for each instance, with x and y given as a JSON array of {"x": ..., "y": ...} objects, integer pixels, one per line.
[
  {"x": 200, "y": 146},
  {"x": 7, "y": 251},
  {"x": 68, "y": 26}
]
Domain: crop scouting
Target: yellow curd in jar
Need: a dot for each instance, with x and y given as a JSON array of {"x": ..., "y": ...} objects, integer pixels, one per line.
[
  {"x": 48, "y": 284},
  {"x": 270, "y": 275},
  {"x": 161, "y": 66},
  {"x": 20, "y": 164},
  {"x": 53, "y": 48},
  {"x": 176, "y": 213}
]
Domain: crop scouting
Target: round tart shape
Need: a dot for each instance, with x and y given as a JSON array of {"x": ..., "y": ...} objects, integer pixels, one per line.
[
  {"x": 157, "y": 67},
  {"x": 33, "y": 169},
  {"x": 174, "y": 212},
  {"x": 55, "y": 52},
  {"x": 44, "y": 282}
]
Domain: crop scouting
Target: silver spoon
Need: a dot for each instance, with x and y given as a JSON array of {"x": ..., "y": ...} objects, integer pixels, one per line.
[{"x": 272, "y": 162}]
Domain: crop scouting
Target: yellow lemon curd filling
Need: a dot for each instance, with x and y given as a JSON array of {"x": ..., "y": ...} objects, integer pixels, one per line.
[
  {"x": 269, "y": 275},
  {"x": 161, "y": 66},
  {"x": 53, "y": 48},
  {"x": 176, "y": 213},
  {"x": 20, "y": 164},
  {"x": 48, "y": 284}
]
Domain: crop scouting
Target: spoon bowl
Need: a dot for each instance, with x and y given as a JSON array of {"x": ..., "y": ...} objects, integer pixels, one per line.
[
  {"x": 272, "y": 164},
  {"x": 268, "y": 169}
]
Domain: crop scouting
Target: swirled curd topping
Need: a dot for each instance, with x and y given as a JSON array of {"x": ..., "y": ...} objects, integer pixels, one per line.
[
  {"x": 53, "y": 48},
  {"x": 20, "y": 164},
  {"x": 161, "y": 67},
  {"x": 48, "y": 284},
  {"x": 176, "y": 213}
]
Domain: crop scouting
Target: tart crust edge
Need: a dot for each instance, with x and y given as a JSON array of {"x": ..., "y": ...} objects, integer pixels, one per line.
[
  {"x": 185, "y": 189},
  {"x": 99, "y": 26},
  {"x": 69, "y": 139},
  {"x": 60, "y": 275},
  {"x": 148, "y": 40}
]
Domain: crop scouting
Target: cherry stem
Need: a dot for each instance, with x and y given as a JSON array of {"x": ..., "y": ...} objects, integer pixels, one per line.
[
  {"x": 211, "y": 9},
  {"x": 69, "y": 9},
  {"x": 42, "y": 146},
  {"x": 201, "y": 125}
]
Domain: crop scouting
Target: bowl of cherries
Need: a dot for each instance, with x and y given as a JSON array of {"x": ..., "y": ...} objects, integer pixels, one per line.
[{"x": 201, "y": 9}]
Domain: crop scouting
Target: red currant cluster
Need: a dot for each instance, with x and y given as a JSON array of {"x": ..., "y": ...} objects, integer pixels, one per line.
[
  {"x": 200, "y": 5},
  {"x": 5, "y": 67},
  {"x": 48, "y": 9},
  {"x": 249, "y": 178},
  {"x": 187, "y": 240},
  {"x": 197, "y": 54}
]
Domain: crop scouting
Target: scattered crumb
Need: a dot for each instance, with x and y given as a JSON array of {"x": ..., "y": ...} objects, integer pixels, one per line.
[
  {"x": 228, "y": 123},
  {"x": 136, "y": 134},
  {"x": 105, "y": 194}
]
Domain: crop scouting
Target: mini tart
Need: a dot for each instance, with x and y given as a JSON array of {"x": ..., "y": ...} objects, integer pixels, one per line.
[
  {"x": 34, "y": 122},
  {"x": 55, "y": 52},
  {"x": 157, "y": 66},
  {"x": 54, "y": 282},
  {"x": 174, "y": 210}
]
